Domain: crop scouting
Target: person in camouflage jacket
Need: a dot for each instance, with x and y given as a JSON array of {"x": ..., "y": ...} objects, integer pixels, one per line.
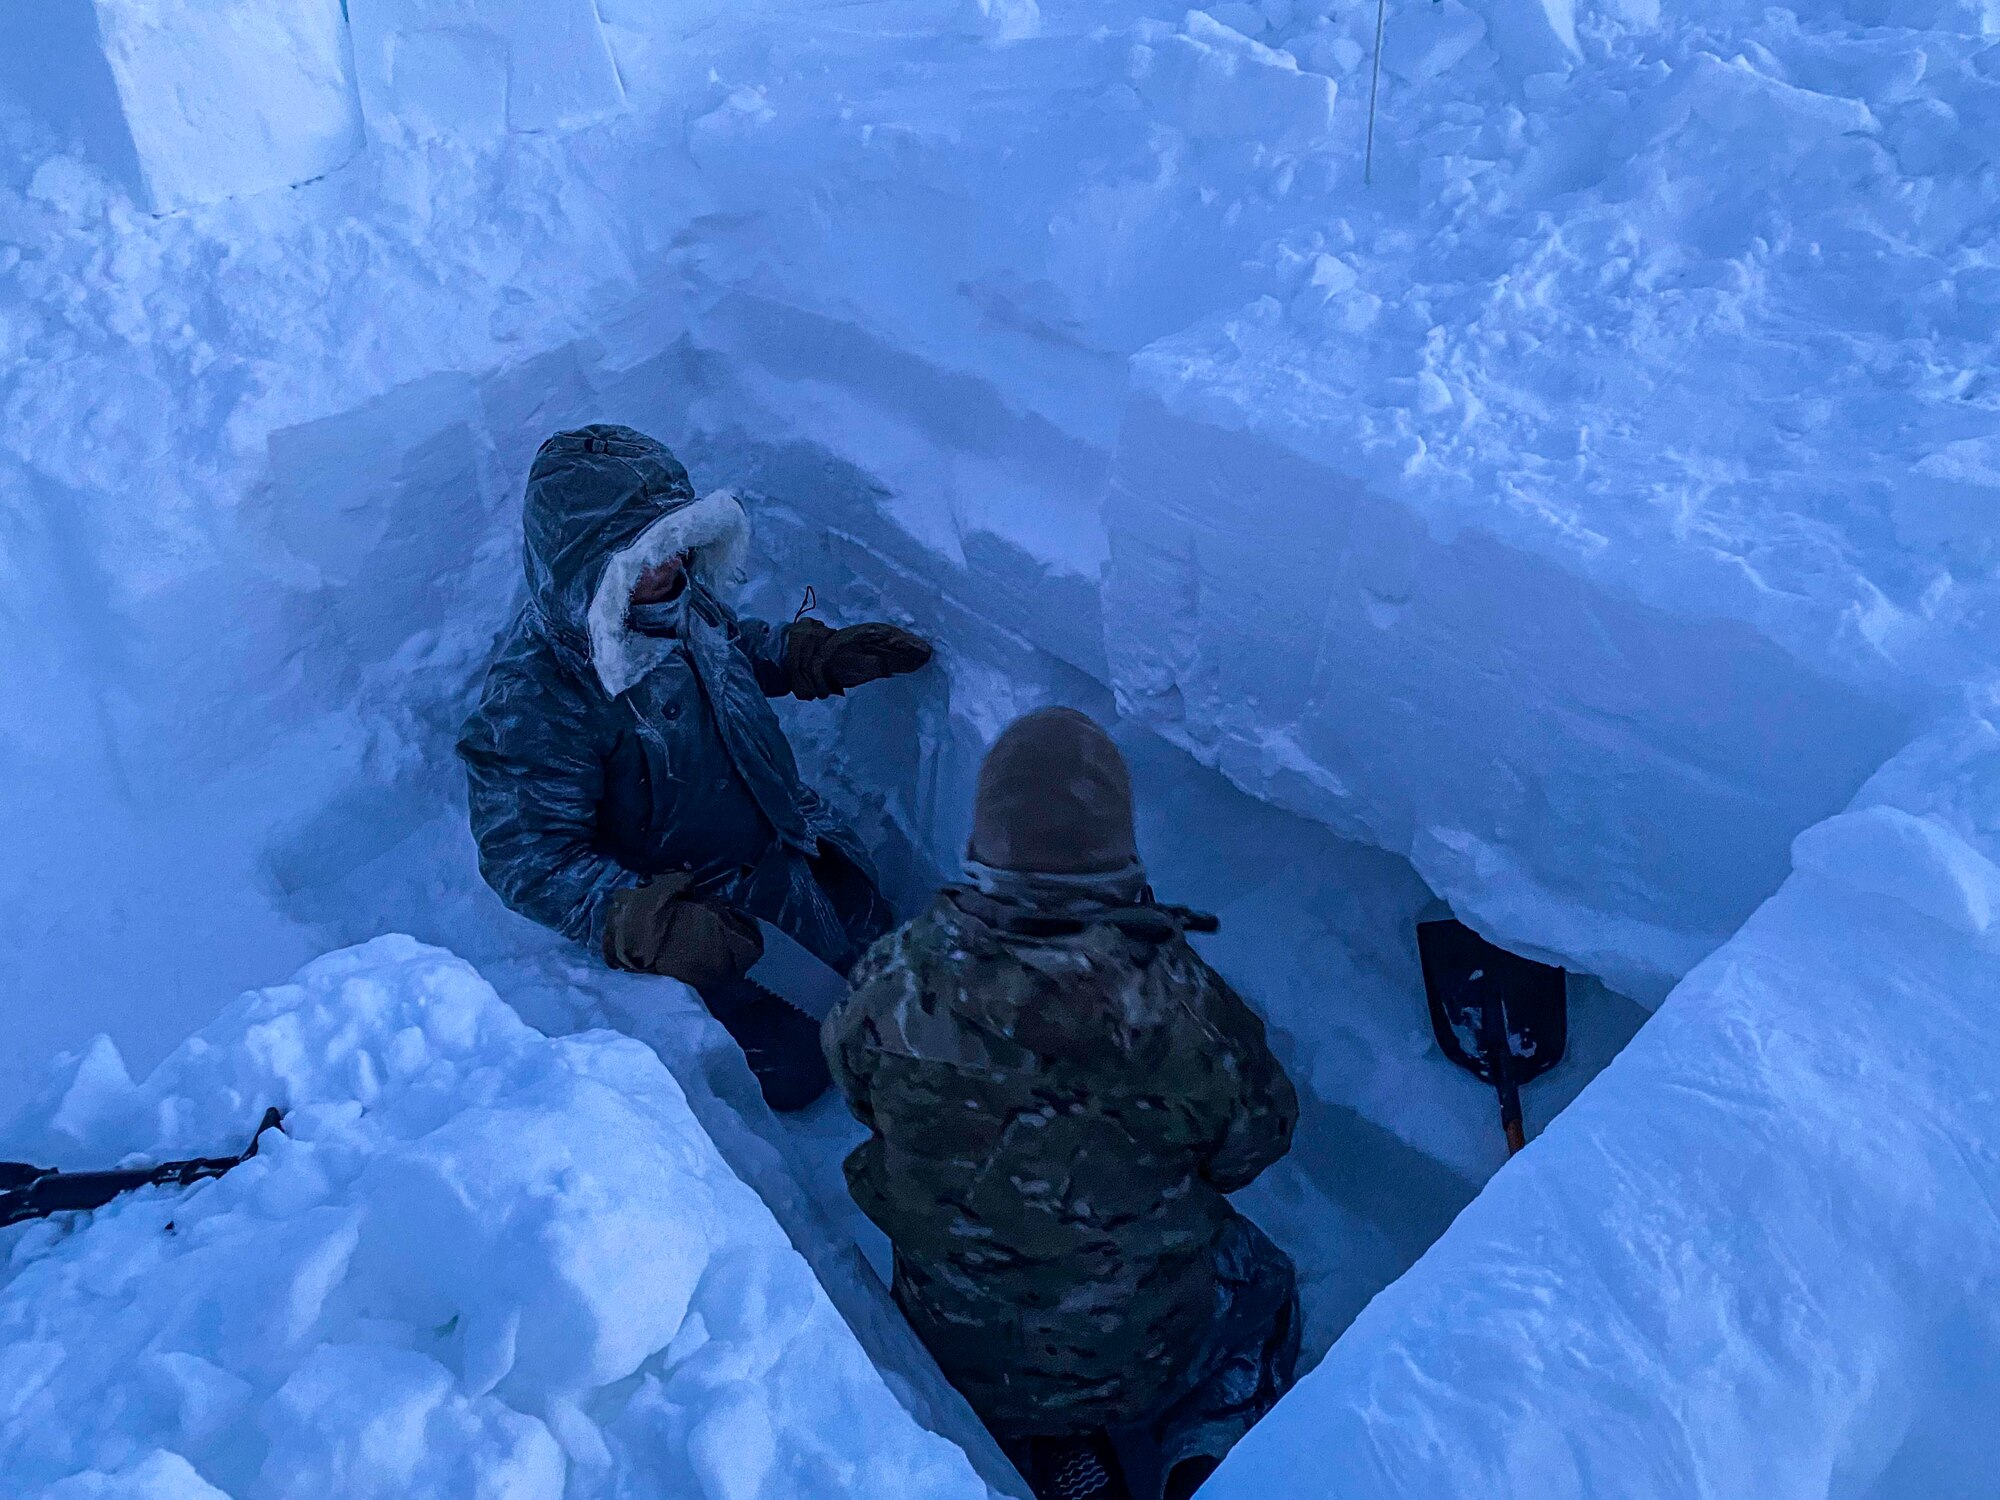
[{"x": 1061, "y": 1094}]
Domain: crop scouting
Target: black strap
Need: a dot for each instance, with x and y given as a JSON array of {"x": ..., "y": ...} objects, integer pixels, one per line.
[{"x": 1145, "y": 920}]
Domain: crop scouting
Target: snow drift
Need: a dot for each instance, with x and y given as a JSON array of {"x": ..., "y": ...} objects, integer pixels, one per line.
[{"x": 476, "y": 1262}]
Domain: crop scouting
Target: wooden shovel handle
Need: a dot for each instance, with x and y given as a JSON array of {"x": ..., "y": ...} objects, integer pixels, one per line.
[{"x": 1500, "y": 1059}]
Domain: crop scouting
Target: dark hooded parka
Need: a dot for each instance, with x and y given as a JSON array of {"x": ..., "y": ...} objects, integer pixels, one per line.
[{"x": 600, "y": 757}]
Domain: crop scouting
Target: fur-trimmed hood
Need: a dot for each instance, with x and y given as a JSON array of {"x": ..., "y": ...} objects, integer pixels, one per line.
[
  {"x": 604, "y": 503},
  {"x": 713, "y": 529}
]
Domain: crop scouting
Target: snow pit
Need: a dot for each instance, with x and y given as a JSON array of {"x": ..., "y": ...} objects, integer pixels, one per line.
[
  {"x": 1569, "y": 524},
  {"x": 1317, "y": 930}
]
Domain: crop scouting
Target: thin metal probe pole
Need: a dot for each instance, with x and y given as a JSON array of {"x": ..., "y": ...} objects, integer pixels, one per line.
[{"x": 1374, "y": 89}]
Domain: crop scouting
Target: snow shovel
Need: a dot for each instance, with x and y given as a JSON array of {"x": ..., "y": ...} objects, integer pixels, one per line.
[
  {"x": 1499, "y": 1016},
  {"x": 29, "y": 1192}
]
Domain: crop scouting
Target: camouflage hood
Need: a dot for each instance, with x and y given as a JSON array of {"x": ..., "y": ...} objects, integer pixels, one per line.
[{"x": 1041, "y": 955}]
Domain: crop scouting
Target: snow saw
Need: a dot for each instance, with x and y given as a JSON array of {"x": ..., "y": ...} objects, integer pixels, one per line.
[
  {"x": 791, "y": 972},
  {"x": 1501, "y": 1017},
  {"x": 29, "y": 1192},
  {"x": 773, "y": 1013}
]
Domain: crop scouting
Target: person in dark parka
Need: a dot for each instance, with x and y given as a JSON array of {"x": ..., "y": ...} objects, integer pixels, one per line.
[{"x": 630, "y": 785}]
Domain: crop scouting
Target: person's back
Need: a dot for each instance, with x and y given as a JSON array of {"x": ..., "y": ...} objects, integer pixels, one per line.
[{"x": 1060, "y": 1093}]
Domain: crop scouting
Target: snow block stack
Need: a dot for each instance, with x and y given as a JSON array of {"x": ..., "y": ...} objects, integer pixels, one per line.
[
  {"x": 1758, "y": 1256},
  {"x": 477, "y": 1261},
  {"x": 192, "y": 102},
  {"x": 477, "y": 68}
]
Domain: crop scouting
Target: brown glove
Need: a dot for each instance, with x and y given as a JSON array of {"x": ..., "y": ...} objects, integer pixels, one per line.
[
  {"x": 821, "y": 662},
  {"x": 656, "y": 929}
]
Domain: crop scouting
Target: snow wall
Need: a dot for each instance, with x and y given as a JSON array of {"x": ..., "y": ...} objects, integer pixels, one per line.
[
  {"x": 1576, "y": 515},
  {"x": 1759, "y": 1255}
]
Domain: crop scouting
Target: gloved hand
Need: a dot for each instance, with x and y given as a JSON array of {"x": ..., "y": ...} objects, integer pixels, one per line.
[
  {"x": 659, "y": 929},
  {"x": 822, "y": 662}
]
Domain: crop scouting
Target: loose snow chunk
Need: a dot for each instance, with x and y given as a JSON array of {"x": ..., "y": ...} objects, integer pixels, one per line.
[
  {"x": 367, "y": 1422},
  {"x": 1954, "y": 507},
  {"x": 556, "y": 1268},
  {"x": 475, "y": 1262},
  {"x": 157, "y": 1476},
  {"x": 1433, "y": 41},
  {"x": 1217, "y": 83},
  {"x": 1531, "y": 36},
  {"x": 1734, "y": 97},
  {"x": 1000, "y": 20},
  {"x": 478, "y": 67},
  {"x": 218, "y": 97}
]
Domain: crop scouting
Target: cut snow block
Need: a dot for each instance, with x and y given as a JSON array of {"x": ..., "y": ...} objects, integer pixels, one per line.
[
  {"x": 1217, "y": 84},
  {"x": 1000, "y": 20},
  {"x": 51, "y": 62},
  {"x": 190, "y": 101},
  {"x": 1429, "y": 41},
  {"x": 1885, "y": 851},
  {"x": 479, "y": 67},
  {"x": 1532, "y": 36}
]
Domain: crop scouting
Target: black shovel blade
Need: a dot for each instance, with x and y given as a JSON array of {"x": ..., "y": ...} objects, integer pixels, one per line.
[{"x": 1463, "y": 974}]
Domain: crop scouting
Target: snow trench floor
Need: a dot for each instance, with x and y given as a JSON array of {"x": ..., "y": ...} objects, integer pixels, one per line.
[{"x": 1319, "y": 935}]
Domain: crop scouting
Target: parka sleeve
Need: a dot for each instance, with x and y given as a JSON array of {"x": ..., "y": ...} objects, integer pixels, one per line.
[
  {"x": 535, "y": 777},
  {"x": 1260, "y": 1107},
  {"x": 764, "y": 644}
]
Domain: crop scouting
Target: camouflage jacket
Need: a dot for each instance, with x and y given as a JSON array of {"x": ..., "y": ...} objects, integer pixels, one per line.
[{"x": 1057, "y": 1108}]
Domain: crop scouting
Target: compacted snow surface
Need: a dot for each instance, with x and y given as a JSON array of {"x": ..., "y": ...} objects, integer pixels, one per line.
[{"x": 1593, "y": 522}]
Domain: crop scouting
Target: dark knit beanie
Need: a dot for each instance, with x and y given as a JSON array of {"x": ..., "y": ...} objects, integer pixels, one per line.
[{"x": 1054, "y": 799}]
